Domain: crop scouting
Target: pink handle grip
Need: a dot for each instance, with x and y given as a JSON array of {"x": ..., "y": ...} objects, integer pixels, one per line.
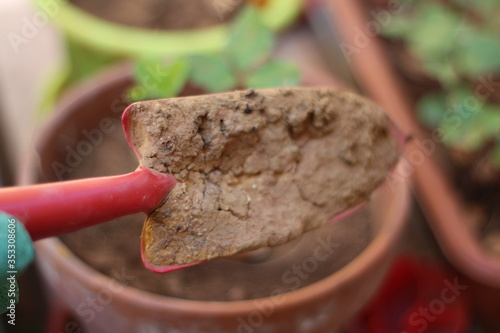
[{"x": 56, "y": 208}]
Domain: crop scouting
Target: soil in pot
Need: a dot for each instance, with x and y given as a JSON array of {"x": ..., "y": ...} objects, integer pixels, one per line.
[
  {"x": 162, "y": 14},
  {"x": 114, "y": 248}
]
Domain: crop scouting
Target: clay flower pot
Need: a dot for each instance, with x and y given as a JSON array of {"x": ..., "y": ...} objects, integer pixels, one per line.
[
  {"x": 445, "y": 211},
  {"x": 121, "y": 40},
  {"x": 101, "y": 304},
  {"x": 443, "y": 208},
  {"x": 92, "y": 43}
]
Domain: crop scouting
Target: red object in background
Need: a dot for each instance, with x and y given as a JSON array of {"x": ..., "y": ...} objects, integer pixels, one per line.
[{"x": 416, "y": 297}]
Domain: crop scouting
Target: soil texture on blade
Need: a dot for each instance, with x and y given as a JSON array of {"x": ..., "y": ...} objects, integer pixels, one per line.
[{"x": 256, "y": 168}]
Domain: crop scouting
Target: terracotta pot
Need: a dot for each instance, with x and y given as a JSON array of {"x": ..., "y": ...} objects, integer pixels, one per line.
[
  {"x": 120, "y": 40},
  {"x": 445, "y": 212},
  {"x": 103, "y": 42},
  {"x": 102, "y": 304}
]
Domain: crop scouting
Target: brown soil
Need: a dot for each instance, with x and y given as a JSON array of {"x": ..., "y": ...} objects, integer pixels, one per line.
[
  {"x": 162, "y": 14},
  {"x": 114, "y": 248},
  {"x": 256, "y": 169}
]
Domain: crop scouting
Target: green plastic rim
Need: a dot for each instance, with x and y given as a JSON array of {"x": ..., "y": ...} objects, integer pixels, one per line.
[{"x": 137, "y": 42}]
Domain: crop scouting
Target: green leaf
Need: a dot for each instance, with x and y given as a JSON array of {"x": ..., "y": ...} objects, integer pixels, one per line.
[
  {"x": 84, "y": 61},
  {"x": 442, "y": 70},
  {"x": 148, "y": 74},
  {"x": 137, "y": 93},
  {"x": 250, "y": 40},
  {"x": 431, "y": 108},
  {"x": 178, "y": 74},
  {"x": 274, "y": 74},
  {"x": 456, "y": 43},
  {"x": 478, "y": 52},
  {"x": 212, "y": 73},
  {"x": 475, "y": 125},
  {"x": 399, "y": 27},
  {"x": 428, "y": 29},
  {"x": 53, "y": 88},
  {"x": 488, "y": 120},
  {"x": 434, "y": 30},
  {"x": 459, "y": 126},
  {"x": 80, "y": 63},
  {"x": 155, "y": 79}
]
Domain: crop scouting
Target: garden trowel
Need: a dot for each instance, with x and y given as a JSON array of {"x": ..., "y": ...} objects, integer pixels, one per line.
[{"x": 225, "y": 173}]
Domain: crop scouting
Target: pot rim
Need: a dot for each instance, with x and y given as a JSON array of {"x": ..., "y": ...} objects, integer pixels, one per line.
[
  {"x": 387, "y": 234},
  {"x": 121, "y": 39}
]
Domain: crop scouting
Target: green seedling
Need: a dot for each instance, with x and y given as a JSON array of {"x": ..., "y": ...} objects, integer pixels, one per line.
[
  {"x": 245, "y": 62},
  {"x": 458, "y": 45}
]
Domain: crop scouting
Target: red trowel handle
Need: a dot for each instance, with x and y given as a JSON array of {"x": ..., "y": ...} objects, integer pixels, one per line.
[{"x": 56, "y": 208}]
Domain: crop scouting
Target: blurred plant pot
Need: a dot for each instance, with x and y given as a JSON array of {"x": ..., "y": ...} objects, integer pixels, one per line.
[
  {"x": 118, "y": 39},
  {"x": 446, "y": 213},
  {"x": 93, "y": 42},
  {"x": 321, "y": 306}
]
